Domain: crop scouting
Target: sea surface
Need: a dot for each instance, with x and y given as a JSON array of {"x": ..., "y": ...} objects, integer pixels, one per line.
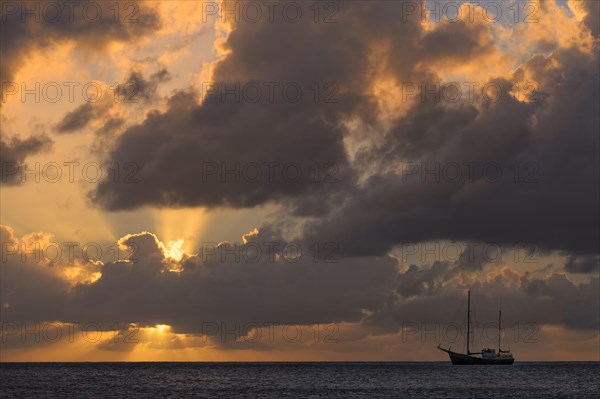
[{"x": 298, "y": 380}]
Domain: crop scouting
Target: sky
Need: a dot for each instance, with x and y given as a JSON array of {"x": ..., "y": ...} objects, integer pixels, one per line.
[{"x": 298, "y": 181}]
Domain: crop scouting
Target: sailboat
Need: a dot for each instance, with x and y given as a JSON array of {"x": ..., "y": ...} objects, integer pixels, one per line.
[{"x": 486, "y": 356}]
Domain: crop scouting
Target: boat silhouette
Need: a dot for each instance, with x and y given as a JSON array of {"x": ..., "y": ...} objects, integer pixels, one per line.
[{"x": 486, "y": 356}]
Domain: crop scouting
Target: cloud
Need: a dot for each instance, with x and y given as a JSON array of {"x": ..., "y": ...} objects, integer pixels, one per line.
[
  {"x": 589, "y": 11},
  {"x": 136, "y": 89},
  {"x": 24, "y": 33},
  {"x": 14, "y": 151},
  {"x": 544, "y": 196},
  {"x": 551, "y": 202},
  {"x": 229, "y": 129},
  {"x": 76, "y": 119},
  {"x": 110, "y": 126},
  {"x": 153, "y": 288},
  {"x": 583, "y": 264},
  {"x": 265, "y": 288},
  {"x": 387, "y": 156},
  {"x": 437, "y": 296},
  {"x": 192, "y": 156}
]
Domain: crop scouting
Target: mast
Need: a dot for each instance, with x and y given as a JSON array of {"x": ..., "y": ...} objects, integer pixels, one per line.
[
  {"x": 468, "y": 320},
  {"x": 499, "y": 329}
]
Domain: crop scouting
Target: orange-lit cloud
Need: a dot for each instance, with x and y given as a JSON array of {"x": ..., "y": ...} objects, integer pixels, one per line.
[{"x": 374, "y": 134}]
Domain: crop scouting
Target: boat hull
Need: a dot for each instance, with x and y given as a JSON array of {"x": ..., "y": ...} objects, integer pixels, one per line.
[{"x": 462, "y": 359}]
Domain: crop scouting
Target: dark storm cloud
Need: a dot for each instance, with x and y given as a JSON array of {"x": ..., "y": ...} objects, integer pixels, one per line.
[
  {"x": 418, "y": 281},
  {"x": 583, "y": 264},
  {"x": 34, "y": 290},
  {"x": 22, "y": 33},
  {"x": 183, "y": 156},
  {"x": 136, "y": 89},
  {"x": 553, "y": 202},
  {"x": 457, "y": 42},
  {"x": 14, "y": 151},
  {"x": 209, "y": 289},
  {"x": 76, "y": 119},
  {"x": 368, "y": 291},
  {"x": 173, "y": 148},
  {"x": 592, "y": 19},
  {"x": 437, "y": 295}
]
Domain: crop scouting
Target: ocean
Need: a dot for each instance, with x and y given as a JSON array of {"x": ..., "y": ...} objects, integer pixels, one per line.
[{"x": 299, "y": 380}]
